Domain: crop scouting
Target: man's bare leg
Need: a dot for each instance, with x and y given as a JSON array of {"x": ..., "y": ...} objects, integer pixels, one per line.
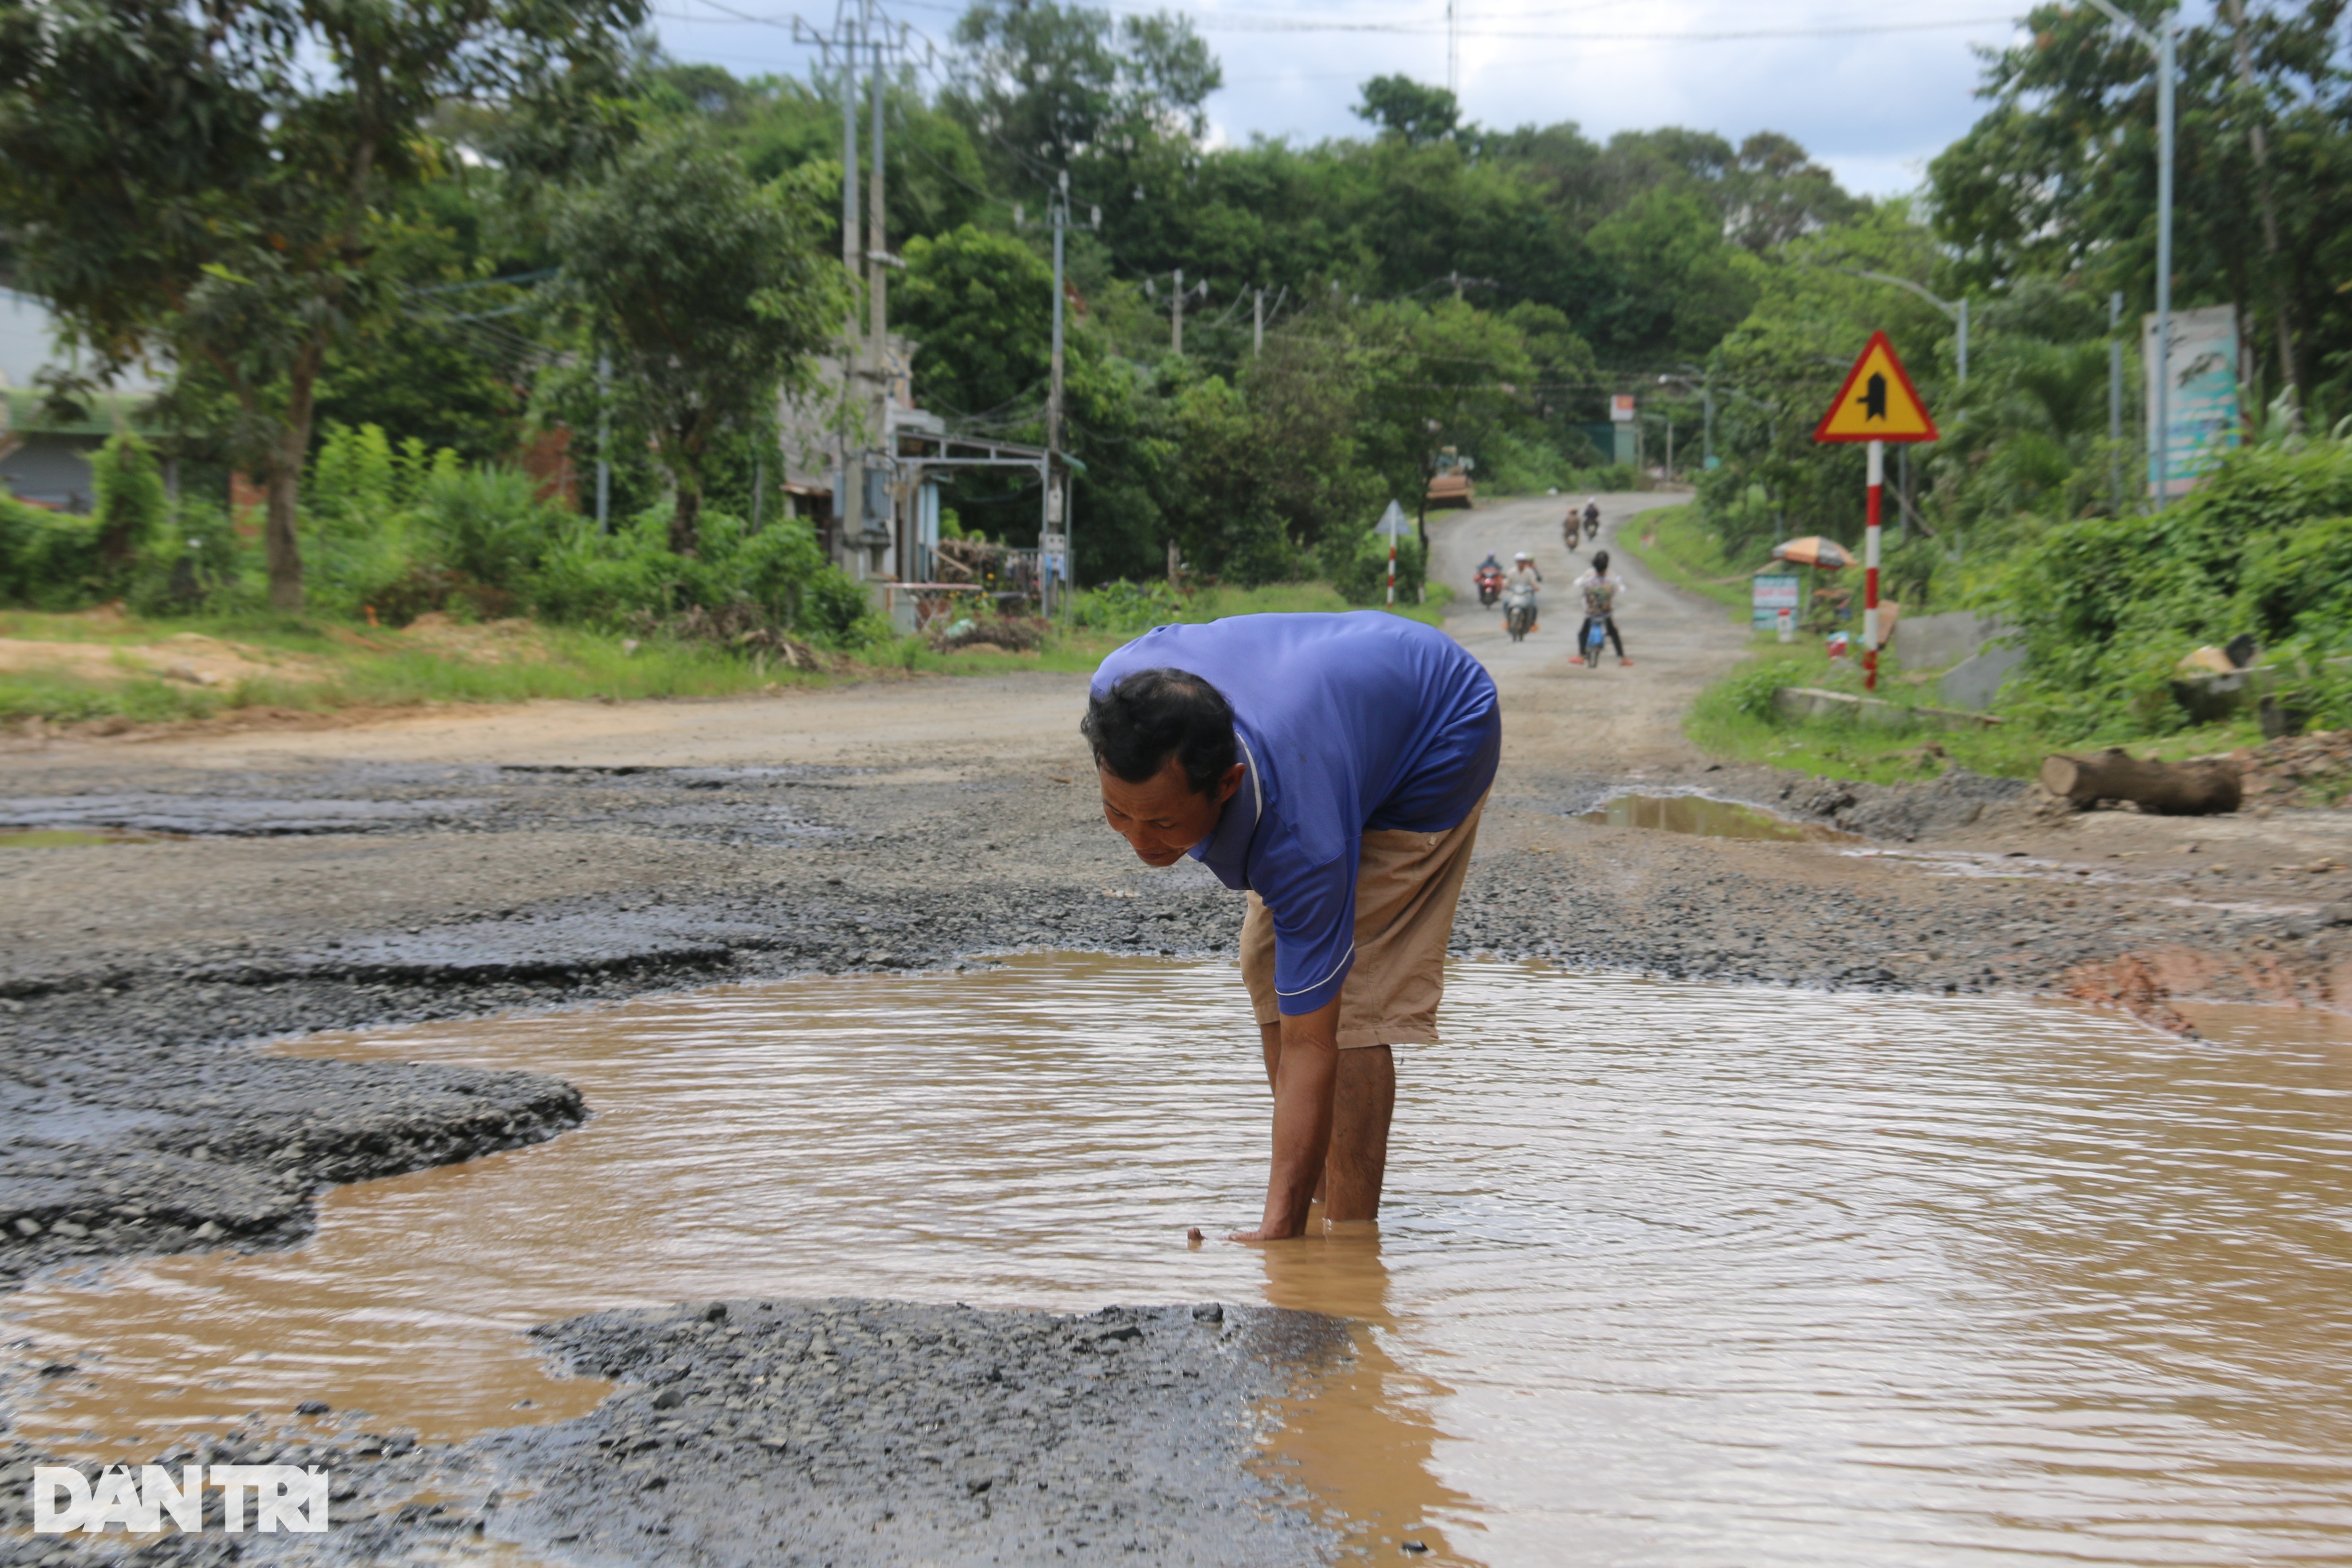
[
  {"x": 1362, "y": 1105},
  {"x": 1364, "y": 1102}
]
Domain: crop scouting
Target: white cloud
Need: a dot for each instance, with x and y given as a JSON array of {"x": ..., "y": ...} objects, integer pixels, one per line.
[{"x": 1874, "y": 106}]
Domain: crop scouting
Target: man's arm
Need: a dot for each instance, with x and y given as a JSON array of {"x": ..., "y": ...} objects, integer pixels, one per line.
[{"x": 1304, "y": 1081}]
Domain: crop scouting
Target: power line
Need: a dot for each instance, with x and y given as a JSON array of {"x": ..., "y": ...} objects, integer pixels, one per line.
[{"x": 1225, "y": 23}]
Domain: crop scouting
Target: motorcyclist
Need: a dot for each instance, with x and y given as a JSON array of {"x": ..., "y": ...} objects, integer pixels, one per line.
[
  {"x": 1524, "y": 580},
  {"x": 1490, "y": 578},
  {"x": 1592, "y": 516},
  {"x": 1603, "y": 591}
]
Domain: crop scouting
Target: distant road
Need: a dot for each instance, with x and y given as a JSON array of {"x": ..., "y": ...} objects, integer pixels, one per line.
[{"x": 1560, "y": 713}]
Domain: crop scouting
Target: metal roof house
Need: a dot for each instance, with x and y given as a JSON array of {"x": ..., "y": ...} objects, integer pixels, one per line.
[{"x": 44, "y": 459}]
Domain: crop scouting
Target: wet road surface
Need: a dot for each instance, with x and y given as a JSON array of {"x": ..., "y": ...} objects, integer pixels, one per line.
[{"x": 1669, "y": 1274}]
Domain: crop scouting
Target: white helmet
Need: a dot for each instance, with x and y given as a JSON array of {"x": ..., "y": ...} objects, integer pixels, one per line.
[{"x": 1523, "y": 555}]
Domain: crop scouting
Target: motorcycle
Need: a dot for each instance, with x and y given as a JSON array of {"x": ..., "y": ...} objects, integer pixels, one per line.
[
  {"x": 1490, "y": 586},
  {"x": 1592, "y": 524},
  {"x": 1519, "y": 613}
]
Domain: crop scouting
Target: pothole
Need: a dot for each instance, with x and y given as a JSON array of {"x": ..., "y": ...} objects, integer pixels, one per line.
[{"x": 1710, "y": 819}]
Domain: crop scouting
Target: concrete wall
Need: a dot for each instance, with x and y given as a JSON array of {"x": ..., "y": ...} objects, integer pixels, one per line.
[
  {"x": 1940, "y": 641},
  {"x": 1977, "y": 678},
  {"x": 1812, "y": 702}
]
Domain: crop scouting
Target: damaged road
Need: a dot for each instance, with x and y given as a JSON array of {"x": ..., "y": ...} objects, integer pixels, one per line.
[
  {"x": 563, "y": 854},
  {"x": 807, "y": 1433}
]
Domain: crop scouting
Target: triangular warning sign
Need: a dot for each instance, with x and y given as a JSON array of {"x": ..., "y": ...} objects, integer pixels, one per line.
[{"x": 1878, "y": 402}]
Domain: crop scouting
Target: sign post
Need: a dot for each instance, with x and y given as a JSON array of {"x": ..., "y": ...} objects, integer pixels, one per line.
[
  {"x": 1393, "y": 523},
  {"x": 1876, "y": 405}
]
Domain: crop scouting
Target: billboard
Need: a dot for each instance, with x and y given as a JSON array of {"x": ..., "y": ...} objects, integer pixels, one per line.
[
  {"x": 1621, "y": 408},
  {"x": 1771, "y": 593},
  {"x": 2202, "y": 421}
]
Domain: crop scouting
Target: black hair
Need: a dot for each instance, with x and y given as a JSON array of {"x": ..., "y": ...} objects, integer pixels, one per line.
[
  {"x": 1153, "y": 715},
  {"x": 1600, "y": 561}
]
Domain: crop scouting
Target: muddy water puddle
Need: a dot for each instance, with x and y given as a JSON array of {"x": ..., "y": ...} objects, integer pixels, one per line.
[
  {"x": 1669, "y": 1273},
  {"x": 74, "y": 839},
  {"x": 1710, "y": 819}
]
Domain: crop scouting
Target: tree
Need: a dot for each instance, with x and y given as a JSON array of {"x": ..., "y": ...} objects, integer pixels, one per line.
[
  {"x": 1683, "y": 284},
  {"x": 1405, "y": 108},
  {"x": 980, "y": 306},
  {"x": 1049, "y": 85},
  {"x": 1775, "y": 192},
  {"x": 218, "y": 183},
  {"x": 2059, "y": 177},
  {"x": 1441, "y": 375},
  {"x": 710, "y": 293}
]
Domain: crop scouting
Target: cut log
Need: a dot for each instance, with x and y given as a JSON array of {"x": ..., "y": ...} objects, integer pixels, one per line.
[{"x": 2169, "y": 789}]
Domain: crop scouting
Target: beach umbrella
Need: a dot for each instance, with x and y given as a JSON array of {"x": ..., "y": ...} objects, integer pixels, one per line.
[{"x": 1813, "y": 551}]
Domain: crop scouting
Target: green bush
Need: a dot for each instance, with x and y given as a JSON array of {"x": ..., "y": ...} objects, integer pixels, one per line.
[
  {"x": 1359, "y": 567},
  {"x": 611, "y": 580},
  {"x": 129, "y": 513},
  {"x": 1128, "y": 608},
  {"x": 1606, "y": 478},
  {"x": 2109, "y": 605},
  {"x": 189, "y": 563},
  {"x": 48, "y": 560}
]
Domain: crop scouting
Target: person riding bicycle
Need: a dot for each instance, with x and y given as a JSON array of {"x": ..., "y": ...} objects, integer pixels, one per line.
[
  {"x": 1525, "y": 578},
  {"x": 1603, "y": 591}
]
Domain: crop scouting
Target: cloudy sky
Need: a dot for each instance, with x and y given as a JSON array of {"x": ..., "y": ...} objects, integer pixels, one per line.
[{"x": 1873, "y": 104}]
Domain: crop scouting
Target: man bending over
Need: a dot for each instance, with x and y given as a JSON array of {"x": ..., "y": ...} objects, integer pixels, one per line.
[{"x": 1333, "y": 766}]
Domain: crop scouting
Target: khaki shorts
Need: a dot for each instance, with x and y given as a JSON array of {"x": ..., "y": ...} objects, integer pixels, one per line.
[{"x": 1406, "y": 887}]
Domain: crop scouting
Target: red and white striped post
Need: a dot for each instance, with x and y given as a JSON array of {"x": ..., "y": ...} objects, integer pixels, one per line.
[{"x": 1870, "y": 568}]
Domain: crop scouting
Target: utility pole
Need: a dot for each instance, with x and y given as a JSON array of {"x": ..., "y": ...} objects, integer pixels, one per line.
[
  {"x": 2167, "y": 68},
  {"x": 2259, "y": 139},
  {"x": 1453, "y": 52},
  {"x": 1057, "y": 511},
  {"x": 1178, "y": 318},
  {"x": 2115, "y": 402},
  {"x": 1258, "y": 322},
  {"x": 603, "y": 442},
  {"x": 849, "y": 487},
  {"x": 2163, "y": 41},
  {"x": 878, "y": 253}
]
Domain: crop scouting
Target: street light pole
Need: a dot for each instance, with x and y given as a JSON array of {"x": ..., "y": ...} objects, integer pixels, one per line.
[
  {"x": 1957, "y": 310},
  {"x": 2163, "y": 43}
]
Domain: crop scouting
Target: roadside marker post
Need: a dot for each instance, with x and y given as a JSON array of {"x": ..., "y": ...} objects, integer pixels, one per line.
[
  {"x": 1393, "y": 523},
  {"x": 1876, "y": 405}
]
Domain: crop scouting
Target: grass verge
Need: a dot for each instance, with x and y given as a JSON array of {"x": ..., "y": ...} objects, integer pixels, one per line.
[
  {"x": 1735, "y": 720},
  {"x": 324, "y": 664},
  {"x": 1675, "y": 543}
]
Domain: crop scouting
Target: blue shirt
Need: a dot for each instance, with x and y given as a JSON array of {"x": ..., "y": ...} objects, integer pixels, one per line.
[{"x": 1348, "y": 724}]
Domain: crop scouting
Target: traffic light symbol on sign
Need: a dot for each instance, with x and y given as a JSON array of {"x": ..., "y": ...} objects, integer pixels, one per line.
[{"x": 1878, "y": 402}]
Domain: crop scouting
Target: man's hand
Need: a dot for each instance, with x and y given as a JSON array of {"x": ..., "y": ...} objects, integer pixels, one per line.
[{"x": 1304, "y": 1080}]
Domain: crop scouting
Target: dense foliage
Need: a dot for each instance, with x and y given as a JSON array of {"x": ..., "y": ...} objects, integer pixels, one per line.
[{"x": 543, "y": 196}]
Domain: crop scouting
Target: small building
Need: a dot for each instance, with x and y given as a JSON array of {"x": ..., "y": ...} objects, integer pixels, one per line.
[
  {"x": 895, "y": 546},
  {"x": 44, "y": 459}
]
